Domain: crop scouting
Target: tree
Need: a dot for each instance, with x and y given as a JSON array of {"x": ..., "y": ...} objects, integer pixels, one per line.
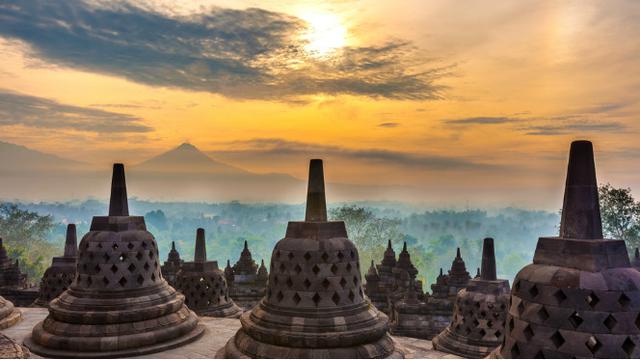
[
  {"x": 24, "y": 233},
  {"x": 620, "y": 215}
]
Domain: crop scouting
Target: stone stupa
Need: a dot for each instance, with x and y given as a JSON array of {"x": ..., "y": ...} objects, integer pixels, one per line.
[
  {"x": 204, "y": 284},
  {"x": 10, "y": 274},
  {"x": 173, "y": 264},
  {"x": 580, "y": 297},
  {"x": 61, "y": 273},
  {"x": 119, "y": 305},
  {"x": 247, "y": 282},
  {"x": 636, "y": 259},
  {"x": 314, "y": 306},
  {"x": 479, "y": 313}
]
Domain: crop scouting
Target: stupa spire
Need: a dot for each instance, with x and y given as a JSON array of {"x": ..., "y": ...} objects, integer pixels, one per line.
[
  {"x": 316, "y": 200},
  {"x": 201, "y": 248},
  {"x": 70, "y": 245},
  {"x": 118, "y": 205},
  {"x": 488, "y": 271},
  {"x": 581, "y": 207}
]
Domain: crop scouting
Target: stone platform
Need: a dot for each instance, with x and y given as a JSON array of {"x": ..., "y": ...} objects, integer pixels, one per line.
[{"x": 219, "y": 330}]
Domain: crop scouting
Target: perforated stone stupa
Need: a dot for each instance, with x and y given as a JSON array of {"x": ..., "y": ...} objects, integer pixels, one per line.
[
  {"x": 247, "y": 281},
  {"x": 315, "y": 306},
  {"x": 479, "y": 313},
  {"x": 62, "y": 271},
  {"x": 10, "y": 274},
  {"x": 580, "y": 297},
  {"x": 204, "y": 284},
  {"x": 119, "y": 305},
  {"x": 173, "y": 264}
]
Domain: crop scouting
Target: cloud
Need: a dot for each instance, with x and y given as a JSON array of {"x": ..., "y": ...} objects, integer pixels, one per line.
[
  {"x": 245, "y": 54},
  {"x": 389, "y": 125},
  {"x": 31, "y": 111},
  {"x": 270, "y": 147},
  {"x": 573, "y": 127},
  {"x": 481, "y": 121}
]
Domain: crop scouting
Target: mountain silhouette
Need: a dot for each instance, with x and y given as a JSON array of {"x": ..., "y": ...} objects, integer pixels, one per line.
[{"x": 187, "y": 158}]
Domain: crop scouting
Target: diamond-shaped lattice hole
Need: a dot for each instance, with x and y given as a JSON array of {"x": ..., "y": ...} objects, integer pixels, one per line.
[
  {"x": 139, "y": 255},
  {"x": 325, "y": 256},
  {"x": 343, "y": 282},
  {"x": 326, "y": 283},
  {"x": 122, "y": 257},
  {"x": 489, "y": 324},
  {"x": 520, "y": 307},
  {"x": 114, "y": 268},
  {"x": 307, "y": 256},
  {"x": 89, "y": 281},
  {"x": 275, "y": 280},
  {"x": 278, "y": 254},
  {"x": 289, "y": 282},
  {"x": 316, "y": 298},
  {"x": 482, "y": 332},
  {"x": 543, "y": 314},
  {"x": 515, "y": 351},
  {"x": 575, "y": 319},
  {"x": 105, "y": 280},
  {"x": 123, "y": 281},
  {"x": 557, "y": 339},
  {"x": 307, "y": 283},
  {"x": 624, "y": 301},
  {"x": 335, "y": 298},
  {"x": 131, "y": 268},
  {"x": 533, "y": 291},
  {"x": 516, "y": 287},
  {"x": 146, "y": 266},
  {"x": 593, "y": 344},
  {"x": 340, "y": 255},
  {"x": 153, "y": 277},
  {"x": 282, "y": 267},
  {"x": 140, "y": 279},
  {"x": 628, "y": 346},
  {"x": 97, "y": 268},
  {"x": 592, "y": 300},
  {"x": 355, "y": 280},
  {"x": 290, "y": 255},
  {"x": 144, "y": 244},
  {"x": 351, "y": 295},
  {"x": 475, "y": 322},
  {"x": 279, "y": 296},
  {"x": 315, "y": 269},
  {"x": 498, "y": 334},
  {"x": 353, "y": 254},
  {"x": 106, "y": 257},
  {"x": 130, "y": 246},
  {"x": 296, "y": 298},
  {"x": 610, "y": 322},
  {"x": 298, "y": 269},
  {"x": 334, "y": 269},
  {"x": 560, "y": 296},
  {"x": 349, "y": 267},
  {"x": 511, "y": 324},
  {"x": 114, "y": 246}
]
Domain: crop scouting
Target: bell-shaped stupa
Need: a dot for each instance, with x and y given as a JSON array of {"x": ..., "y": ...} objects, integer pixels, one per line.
[
  {"x": 204, "y": 284},
  {"x": 119, "y": 305},
  {"x": 314, "y": 306},
  {"x": 62, "y": 272},
  {"x": 580, "y": 297},
  {"x": 479, "y": 313},
  {"x": 173, "y": 264}
]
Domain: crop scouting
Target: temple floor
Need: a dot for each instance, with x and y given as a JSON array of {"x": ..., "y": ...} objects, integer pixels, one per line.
[{"x": 219, "y": 331}]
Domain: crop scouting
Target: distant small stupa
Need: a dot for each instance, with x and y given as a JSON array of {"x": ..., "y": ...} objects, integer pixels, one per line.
[{"x": 62, "y": 271}]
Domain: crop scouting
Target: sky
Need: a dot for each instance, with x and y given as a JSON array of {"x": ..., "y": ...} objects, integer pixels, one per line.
[{"x": 479, "y": 100}]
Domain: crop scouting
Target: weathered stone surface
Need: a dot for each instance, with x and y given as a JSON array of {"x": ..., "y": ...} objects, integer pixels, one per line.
[
  {"x": 219, "y": 330},
  {"x": 118, "y": 305},
  {"x": 9, "y": 349},
  {"x": 580, "y": 297},
  {"x": 10, "y": 274},
  {"x": 204, "y": 284},
  {"x": 315, "y": 306},
  {"x": 60, "y": 274},
  {"x": 479, "y": 313},
  {"x": 9, "y": 314}
]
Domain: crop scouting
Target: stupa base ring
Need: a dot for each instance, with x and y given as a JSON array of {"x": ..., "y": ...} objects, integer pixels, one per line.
[
  {"x": 13, "y": 318},
  {"x": 195, "y": 334},
  {"x": 451, "y": 343},
  {"x": 384, "y": 348},
  {"x": 233, "y": 312}
]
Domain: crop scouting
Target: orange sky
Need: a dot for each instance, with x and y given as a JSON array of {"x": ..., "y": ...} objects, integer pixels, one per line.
[{"x": 467, "y": 97}]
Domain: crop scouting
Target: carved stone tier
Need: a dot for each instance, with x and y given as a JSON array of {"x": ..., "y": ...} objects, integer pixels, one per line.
[
  {"x": 9, "y": 315},
  {"x": 119, "y": 305},
  {"x": 10, "y": 274},
  {"x": 173, "y": 264},
  {"x": 10, "y": 350}
]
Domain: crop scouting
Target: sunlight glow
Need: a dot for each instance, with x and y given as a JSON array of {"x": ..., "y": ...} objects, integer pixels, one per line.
[{"x": 325, "y": 34}]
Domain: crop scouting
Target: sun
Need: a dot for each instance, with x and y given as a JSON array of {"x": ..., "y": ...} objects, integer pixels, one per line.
[{"x": 325, "y": 35}]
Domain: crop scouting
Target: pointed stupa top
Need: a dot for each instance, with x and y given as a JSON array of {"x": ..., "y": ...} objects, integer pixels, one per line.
[
  {"x": 372, "y": 273},
  {"x": 389, "y": 258},
  {"x": 488, "y": 260},
  {"x": 458, "y": 273},
  {"x": 477, "y": 272},
  {"x": 316, "y": 200},
  {"x": 245, "y": 264},
  {"x": 174, "y": 255},
  {"x": 228, "y": 272},
  {"x": 118, "y": 205},
  {"x": 404, "y": 261},
  {"x": 71, "y": 242},
  {"x": 263, "y": 274},
  {"x": 581, "y": 208},
  {"x": 201, "y": 247}
]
